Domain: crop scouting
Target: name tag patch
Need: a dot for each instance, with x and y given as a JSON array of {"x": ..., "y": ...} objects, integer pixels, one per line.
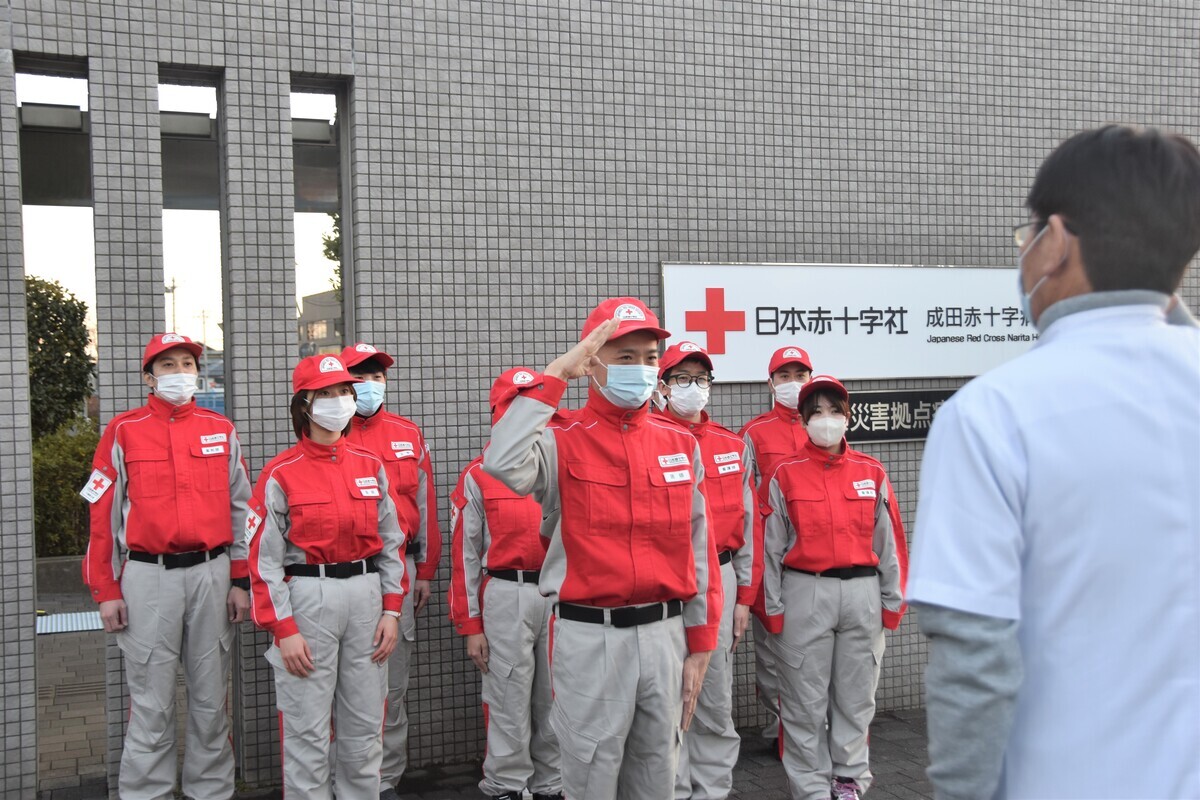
[
  {"x": 404, "y": 450},
  {"x": 678, "y": 476},
  {"x": 725, "y": 458},
  {"x": 370, "y": 493},
  {"x": 675, "y": 460},
  {"x": 402, "y": 445},
  {"x": 725, "y": 469},
  {"x": 366, "y": 482},
  {"x": 866, "y": 488},
  {"x": 213, "y": 450},
  {"x": 253, "y": 521},
  {"x": 97, "y": 484},
  {"x": 213, "y": 438}
]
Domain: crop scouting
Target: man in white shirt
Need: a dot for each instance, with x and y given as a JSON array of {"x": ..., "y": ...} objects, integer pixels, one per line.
[{"x": 1057, "y": 541}]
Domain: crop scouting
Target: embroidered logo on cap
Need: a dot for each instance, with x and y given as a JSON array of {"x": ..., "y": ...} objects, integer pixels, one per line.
[
  {"x": 522, "y": 378},
  {"x": 792, "y": 352},
  {"x": 689, "y": 347},
  {"x": 364, "y": 348},
  {"x": 628, "y": 311},
  {"x": 330, "y": 364},
  {"x": 172, "y": 338}
]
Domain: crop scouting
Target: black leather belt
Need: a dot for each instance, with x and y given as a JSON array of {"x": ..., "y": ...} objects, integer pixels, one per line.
[
  {"x": 343, "y": 569},
  {"x": 622, "y": 617},
  {"x": 516, "y": 575},
  {"x": 724, "y": 557},
  {"x": 177, "y": 560},
  {"x": 843, "y": 573}
]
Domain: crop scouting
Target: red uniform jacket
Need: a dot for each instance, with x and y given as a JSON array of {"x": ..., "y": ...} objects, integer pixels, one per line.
[
  {"x": 318, "y": 504},
  {"x": 494, "y": 528},
  {"x": 165, "y": 479},
  {"x": 732, "y": 508},
  {"x": 830, "y": 511},
  {"x": 622, "y": 494},
  {"x": 398, "y": 443}
]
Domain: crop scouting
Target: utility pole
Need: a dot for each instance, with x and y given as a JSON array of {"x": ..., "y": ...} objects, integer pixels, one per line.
[{"x": 170, "y": 289}]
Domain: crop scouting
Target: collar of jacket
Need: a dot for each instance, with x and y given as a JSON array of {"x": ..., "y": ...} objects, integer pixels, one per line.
[
  {"x": 359, "y": 421},
  {"x": 599, "y": 406},
  {"x": 695, "y": 428},
  {"x": 328, "y": 452},
  {"x": 161, "y": 408},
  {"x": 786, "y": 414},
  {"x": 823, "y": 455}
]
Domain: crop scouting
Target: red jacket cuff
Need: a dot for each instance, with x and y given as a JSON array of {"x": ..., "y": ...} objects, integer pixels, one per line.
[
  {"x": 393, "y": 601},
  {"x": 469, "y": 627},
  {"x": 427, "y": 572},
  {"x": 891, "y": 619},
  {"x": 102, "y": 594},
  {"x": 549, "y": 391},
  {"x": 746, "y": 595},
  {"x": 239, "y": 569},
  {"x": 702, "y": 638},
  {"x": 773, "y": 623},
  {"x": 284, "y": 628}
]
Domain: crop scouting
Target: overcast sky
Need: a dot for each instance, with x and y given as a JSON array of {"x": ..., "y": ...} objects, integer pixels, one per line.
[{"x": 60, "y": 246}]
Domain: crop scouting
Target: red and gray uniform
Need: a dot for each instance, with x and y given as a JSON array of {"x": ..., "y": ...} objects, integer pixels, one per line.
[
  {"x": 621, "y": 493},
  {"x": 497, "y": 553},
  {"x": 711, "y": 745},
  {"x": 397, "y": 441},
  {"x": 169, "y": 481},
  {"x": 834, "y": 579},
  {"x": 327, "y": 505},
  {"x": 770, "y": 438}
]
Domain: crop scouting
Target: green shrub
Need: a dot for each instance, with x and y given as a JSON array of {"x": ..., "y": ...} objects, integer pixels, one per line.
[{"x": 62, "y": 462}]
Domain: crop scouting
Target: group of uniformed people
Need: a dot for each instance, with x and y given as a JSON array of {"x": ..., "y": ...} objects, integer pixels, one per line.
[{"x": 606, "y": 561}]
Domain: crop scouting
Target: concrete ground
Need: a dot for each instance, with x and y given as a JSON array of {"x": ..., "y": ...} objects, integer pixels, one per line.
[{"x": 72, "y": 735}]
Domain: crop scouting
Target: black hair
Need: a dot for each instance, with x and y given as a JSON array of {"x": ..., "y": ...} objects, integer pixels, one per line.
[
  {"x": 299, "y": 412},
  {"x": 835, "y": 398},
  {"x": 1132, "y": 196}
]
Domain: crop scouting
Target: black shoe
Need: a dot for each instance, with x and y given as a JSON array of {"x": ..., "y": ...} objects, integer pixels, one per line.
[
  {"x": 509, "y": 796},
  {"x": 388, "y": 793},
  {"x": 557, "y": 796}
]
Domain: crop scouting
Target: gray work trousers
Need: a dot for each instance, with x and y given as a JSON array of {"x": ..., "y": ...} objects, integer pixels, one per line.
[
  {"x": 829, "y": 655},
  {"x": 175, "y": 616},
  {"x": 521, "y": 749},
  {"x": 395, "y": 722},
  {"x": 338, "y": 619},
  {"x": 766, "y": 676},
  {"x": 710, "y": 746},
  {"x": 617, "y": 706}
]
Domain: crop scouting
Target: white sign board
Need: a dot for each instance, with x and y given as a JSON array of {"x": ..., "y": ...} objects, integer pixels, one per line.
[{"x": 856, "y": 321}]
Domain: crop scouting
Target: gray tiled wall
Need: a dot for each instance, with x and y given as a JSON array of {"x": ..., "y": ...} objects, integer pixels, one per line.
[{"x": 514, "y": 162}]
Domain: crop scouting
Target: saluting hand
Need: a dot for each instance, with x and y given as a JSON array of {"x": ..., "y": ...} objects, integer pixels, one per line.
[
  {"x": 694, "y": 667},
  {"x": 581, "y": 359}
]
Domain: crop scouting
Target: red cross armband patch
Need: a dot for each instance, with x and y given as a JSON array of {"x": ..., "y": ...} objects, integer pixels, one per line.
[
  {"x": 253, "y": 521},
  {"x": 97, "y": 484}
]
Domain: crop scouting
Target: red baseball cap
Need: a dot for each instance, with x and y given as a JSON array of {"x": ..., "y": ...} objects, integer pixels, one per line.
[
  {"x": 678, "y": 353},
  {"x": 789, "y": 355},
  {"x": 355, "y": 354},
  {"x": 507, "y": 387},
  {"x": 633, "y": 314},
  {"x": 319, "y": 371},
  {"x": 819, "y": 382},
  {"x": 162, "y": 342}
]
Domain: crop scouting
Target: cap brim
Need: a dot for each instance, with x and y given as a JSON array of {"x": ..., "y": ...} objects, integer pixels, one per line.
[
  {"x": 195, "y": 348},
  {"x": 324, "y": 381},
  {"x": 383, "y": 358},
  {"x": 624, "y": 329}
]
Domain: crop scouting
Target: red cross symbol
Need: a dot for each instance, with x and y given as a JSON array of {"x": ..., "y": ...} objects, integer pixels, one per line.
[
  {"x": 98, "y": 484},
  {"x": 715, "y": 321}
]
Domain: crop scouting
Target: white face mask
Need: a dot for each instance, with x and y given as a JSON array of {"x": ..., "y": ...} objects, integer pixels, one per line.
[
  {"x": 788, "y": 394},
  {"x": 629, "y": 385},
  {"x": 687, "y": 401},
  {"x": 176, "y": 388},
  {"x": 826, "y": 431},
  {"x": 332, "y": 413}
]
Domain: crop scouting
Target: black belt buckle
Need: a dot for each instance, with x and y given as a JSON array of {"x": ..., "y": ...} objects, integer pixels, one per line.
[
  {"x": 623, "y": 617},
  {"x": 340, "y": 570},
  {"x": 724, "y": 557},
  {"x": 178, "y": 560},
  {"x": 516, "y": 575}
]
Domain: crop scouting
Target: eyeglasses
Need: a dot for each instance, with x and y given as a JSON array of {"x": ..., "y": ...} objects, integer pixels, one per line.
[
  {"x": 1024, "y": 233},
  {"x": 683, "y": 380}
]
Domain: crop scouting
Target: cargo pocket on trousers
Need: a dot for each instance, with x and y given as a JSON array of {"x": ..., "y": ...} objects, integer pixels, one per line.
[
  {"x": 494, "y": 692},
  {"x": 494, "y": 686},
  {"x": 137, "y": 667},
  {"x": 576, "y": 751}
]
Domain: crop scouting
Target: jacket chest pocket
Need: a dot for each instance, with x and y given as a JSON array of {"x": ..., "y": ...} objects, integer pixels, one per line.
[
  {"x": 403, "y": 472},
  {"x": 724, "y": 490},
  {"x": 519, "y": 517},
  {"x": 769, "y": 459},
  {"x": 365, "y": 509},
  {"x": 860, "y": 509},
  {"x": 596, "y": 499},
  {"x": 210, "y": 467},
  {"x": 670, "y": 511},
  {"x": 150, "y": 473},
  {"x": 808, "y": 509},
  {"x": 313, "y": 517}
]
